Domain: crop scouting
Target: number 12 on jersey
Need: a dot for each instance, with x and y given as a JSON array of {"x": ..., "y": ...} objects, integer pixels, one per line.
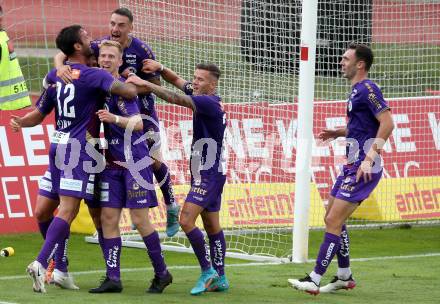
[{"x": 63, "y": 107}]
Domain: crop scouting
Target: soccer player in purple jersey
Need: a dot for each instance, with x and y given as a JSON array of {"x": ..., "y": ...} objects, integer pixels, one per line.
[
  {"x": 119, "y": 188},
  {"x": 47, "y": 200},
  {"x": 135, "y": 53},
  {"x": 72, "y": 157},
  {"x": 207, "y": 167},
  {"x": 369, "y": 125}
]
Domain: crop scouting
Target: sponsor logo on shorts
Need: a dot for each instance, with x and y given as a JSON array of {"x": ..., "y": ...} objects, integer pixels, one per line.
[
  {"x": 71, "y": 184},
  {"x": 90, "y": 188},
  {"x": 198, "y": 198},
  {"x": 345, "y": 194},
  {"x": 44, "y": 184},
  {"x": 48, "y": 175},
  {"x": 144, "y": 201},
  {"x": 104, "y": 196},
  {"x": 199, "y": 190}
]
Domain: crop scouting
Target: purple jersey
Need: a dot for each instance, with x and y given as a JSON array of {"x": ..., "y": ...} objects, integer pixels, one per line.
[
  {"x": 364, "y": 104},
  {"x": 132, "y": 58},
  {"x": 115, "y": 135},
  {"x": 209, "y": 122},
  {"x": 77, "y": 102}
]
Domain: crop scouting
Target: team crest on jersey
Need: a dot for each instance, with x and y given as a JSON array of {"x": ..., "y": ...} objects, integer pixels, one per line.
[
  {"x": 121, "y": 106},
  {"x": 132, "y": 69},
  {"x": 135, "y": 186},
  {"x": 76, "y": 73}
]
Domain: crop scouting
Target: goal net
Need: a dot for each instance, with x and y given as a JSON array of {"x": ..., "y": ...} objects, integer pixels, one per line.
[{"x": 256, "y": 45}]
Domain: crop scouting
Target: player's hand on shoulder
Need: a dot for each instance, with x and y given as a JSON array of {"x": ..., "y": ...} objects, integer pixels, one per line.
[
  {"x": 15, "y": 123},
  {"x": 150, "y": 66},
  {"x": 65, "y": 73},
  {"x": 106, "y": 116}
]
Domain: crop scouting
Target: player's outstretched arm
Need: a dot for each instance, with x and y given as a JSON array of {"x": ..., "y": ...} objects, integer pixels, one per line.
[
  {"x": 135, "y": 120},
  {"x": 125, "y": 90},
  {"x": 330, "y": 134},
  {"x": 151, "y": 66},
  {"x": 165, "y": 94},
  {"x": 31, "y": 119}
]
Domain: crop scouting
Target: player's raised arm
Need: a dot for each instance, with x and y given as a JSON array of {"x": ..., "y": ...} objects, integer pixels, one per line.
[
  {"x": 151, "y": 66},
  {"x": 165, "y": 94},
  {"x": 125, "y": 90}
]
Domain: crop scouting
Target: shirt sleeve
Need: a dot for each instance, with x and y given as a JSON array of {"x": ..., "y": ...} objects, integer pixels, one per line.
[
  {"x": 188, "y": 88},
  {"x": 145, "y": 52},
  {"x": 375, "y": 101},
  {"x": 207, "y": 105},
  {"x": 47, "y": 100}
]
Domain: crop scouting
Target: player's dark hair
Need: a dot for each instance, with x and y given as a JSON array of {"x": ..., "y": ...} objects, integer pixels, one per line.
[
  {"x": 1, "y": 10},
  {"x": 211, "y": 68},
  {"x": 67, "y": 38},
  {"x": 124, "y": 12},
  {"x": 363, "y": 53}
]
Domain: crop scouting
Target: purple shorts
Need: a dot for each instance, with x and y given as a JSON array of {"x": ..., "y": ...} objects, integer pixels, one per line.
[
  {"x": 207, "y": 193},
  {"x": 347, "y": 189},
  {"x": 119, "y": 189},
  {"x": 45, "y": 187},
  {"x": 46, "y": 190},
  {"x": 73, "y": 182}
]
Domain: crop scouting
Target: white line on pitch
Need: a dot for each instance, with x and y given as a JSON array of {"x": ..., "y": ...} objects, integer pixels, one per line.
[
  {"x": 3, "y": 302},
  {"x": 397, "y": 257}
]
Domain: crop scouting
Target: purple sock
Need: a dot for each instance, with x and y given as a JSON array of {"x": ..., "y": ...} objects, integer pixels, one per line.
[
  {"x": 326, "y": 253},
  {"x": 61, "y": 255},
  {"x": 112, "y": 256},
  {"x": 56, "y": 234},
  {"x": 343, "y": 253},
  {"x": 44, "y": 226},
  {"x": 152, "y": 243},
  {"x": 200, "y": 248},
  {"x": 163, "y": 178},
  {"x": 217, "y": 246}
]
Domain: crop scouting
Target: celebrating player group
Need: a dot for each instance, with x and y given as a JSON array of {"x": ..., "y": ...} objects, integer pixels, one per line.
[{"x": 114, "y": 81}]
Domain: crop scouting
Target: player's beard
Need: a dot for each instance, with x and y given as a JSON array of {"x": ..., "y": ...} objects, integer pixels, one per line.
[{"x": 87, "y": 51}]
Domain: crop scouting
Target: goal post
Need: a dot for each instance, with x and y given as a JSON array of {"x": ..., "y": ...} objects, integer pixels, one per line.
[{"x": 304, "y": 135}]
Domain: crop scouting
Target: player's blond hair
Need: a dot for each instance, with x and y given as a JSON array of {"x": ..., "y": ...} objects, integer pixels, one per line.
[{"x": 110, "y": 43}]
